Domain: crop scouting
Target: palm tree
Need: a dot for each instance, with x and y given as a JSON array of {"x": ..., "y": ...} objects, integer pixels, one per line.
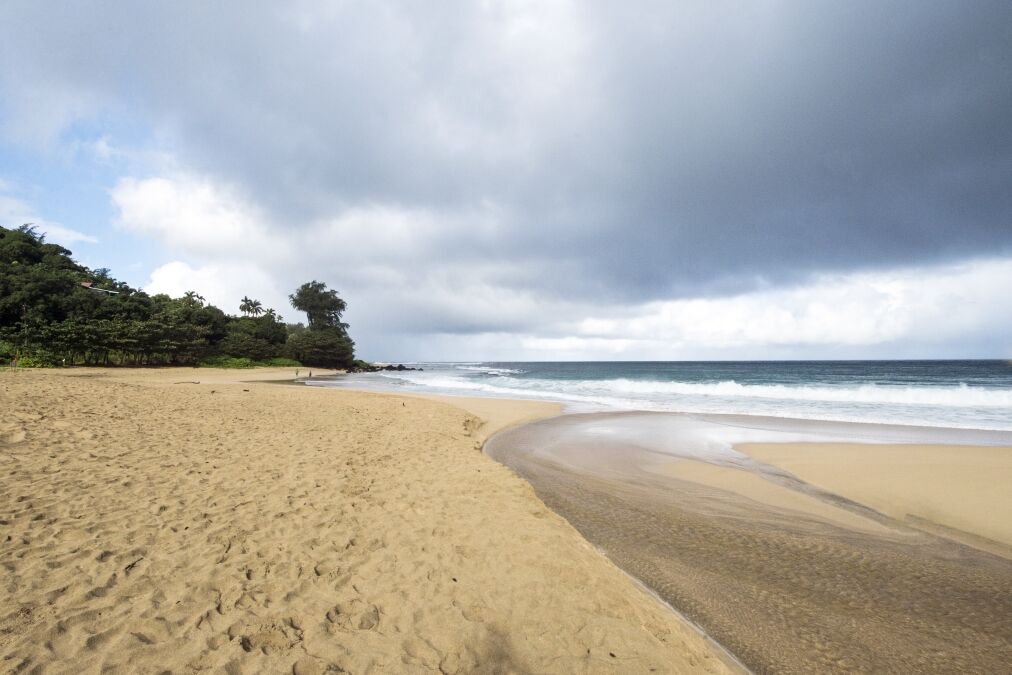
[
  {"x": 246, "y": 306},
  {"x": 192, "y": 298},
  {"x": 32, "y": 230},
  {"x": 255, "y": 308},
  {"x": 269, "y": 312}
]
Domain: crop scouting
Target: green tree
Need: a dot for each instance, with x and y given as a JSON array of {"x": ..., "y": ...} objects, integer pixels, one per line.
[
  {"x": 326, "y": 342},
  {"x": 257, "y": 338},
  {"x": 193, "y": 299},
  {"x": 251, "y": 307},
  {"x": 323, "y": 307},
  {"x": 52, "y": 308},
  {"x": 324, "y": 348}
]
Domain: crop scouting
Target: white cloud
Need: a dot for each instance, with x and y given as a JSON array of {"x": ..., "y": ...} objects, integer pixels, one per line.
[
  {"x": 928, "y": 305},
  {"x": 406, "y": 302},
  {"x": 194, "y": 215},
  {"x": 103, "y": 149},
  {"x": 15, "y": 212},
  {"x": 237, "y": 249},
  {"x": 374, "y": 246},
  {"x": 202, "y": 217},
  {"x": 221, "y": 284},
  {"x": 579, "y": 346},
  {"x": 64, "y": 235},
  {"x": 959, "y": 311}
]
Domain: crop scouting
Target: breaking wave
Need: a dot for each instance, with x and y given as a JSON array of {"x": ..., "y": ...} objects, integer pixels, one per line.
[{"x": 953, "y": 405}]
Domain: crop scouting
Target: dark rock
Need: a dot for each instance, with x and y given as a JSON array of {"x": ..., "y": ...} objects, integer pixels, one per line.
[{"x": 375, "y": 369}]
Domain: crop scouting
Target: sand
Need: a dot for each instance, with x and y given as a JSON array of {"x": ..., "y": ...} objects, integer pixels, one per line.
[
  {"x": 753, "y": 487},
  {"x": 148, "y": 524},
  {"x": 790, "y": 580},
  {"x": 960, "y": 490}
]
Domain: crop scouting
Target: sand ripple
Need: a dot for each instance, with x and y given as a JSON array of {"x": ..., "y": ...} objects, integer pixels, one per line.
[{"x": 785, "y": 591}]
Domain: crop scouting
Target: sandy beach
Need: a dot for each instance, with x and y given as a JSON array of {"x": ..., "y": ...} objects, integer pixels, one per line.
[
  {"x": 799, "y": 558},
  {"x": 194, "y": 520},
  {"x": 958, "y": 491}
]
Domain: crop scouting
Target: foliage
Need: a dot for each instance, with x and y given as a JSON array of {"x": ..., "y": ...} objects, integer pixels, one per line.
[
  {"x": 323, "y": 347},
  {"x": 256, "y": 338},
  {"x": 326, "y": 342},
  {"x": 323, "y": 307},
  {"x": 226, "y": 362},
  {"x": 37, "y": 360},
  {"x": 54, "y": 311},
  {"x": 250, "y": 307},
  {"x": 241, "y": 362},
  {"x": 281, "y": 362}
]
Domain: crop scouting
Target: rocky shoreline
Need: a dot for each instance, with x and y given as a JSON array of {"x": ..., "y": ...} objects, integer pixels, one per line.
[{"x": 363, "y": 367}]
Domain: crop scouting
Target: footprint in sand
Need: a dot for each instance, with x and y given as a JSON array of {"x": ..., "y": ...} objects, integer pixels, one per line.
[
  {"x": 354, "y": 615},
  {"x": 264, "y": 637},
  {"x": 326, "y": 568}
]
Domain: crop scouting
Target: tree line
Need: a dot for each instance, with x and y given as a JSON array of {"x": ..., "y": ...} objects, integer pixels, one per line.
[{"x": 54, "y": 311}]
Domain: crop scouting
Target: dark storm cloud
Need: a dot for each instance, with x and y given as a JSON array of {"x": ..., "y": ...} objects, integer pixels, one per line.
[
  {"x": 835, "y": 135},
  {"x": 629, "y": 151}
]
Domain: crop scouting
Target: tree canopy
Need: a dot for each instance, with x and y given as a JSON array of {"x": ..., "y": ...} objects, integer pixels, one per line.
[
  {"x": 326, "y": 342},
  {"x": 323, "y": 307},
  {"x": 54, "y": 310}
]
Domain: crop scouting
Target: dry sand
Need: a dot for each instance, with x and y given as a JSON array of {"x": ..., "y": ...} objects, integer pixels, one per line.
[
  {"x": 150, "y": 526},
  {"x": 962, "y": 491}
]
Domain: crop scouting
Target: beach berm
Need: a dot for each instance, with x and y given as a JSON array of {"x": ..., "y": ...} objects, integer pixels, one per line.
[{"x": 194, "y": 520}]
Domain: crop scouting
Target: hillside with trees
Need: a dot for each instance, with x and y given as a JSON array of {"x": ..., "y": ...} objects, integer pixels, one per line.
[{"x": 54, "y": 311}]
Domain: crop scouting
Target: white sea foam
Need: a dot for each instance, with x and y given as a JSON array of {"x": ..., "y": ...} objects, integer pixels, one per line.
[
  {"x": 962, "y": 396},
  {"x": 489, "y": 370},
  {"x": 959, "y": 406},
  {"x": 959, "y": 396}
]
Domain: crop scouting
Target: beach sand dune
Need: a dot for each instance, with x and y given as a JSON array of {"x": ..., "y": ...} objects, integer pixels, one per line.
[{"x": 150, "y": 524}]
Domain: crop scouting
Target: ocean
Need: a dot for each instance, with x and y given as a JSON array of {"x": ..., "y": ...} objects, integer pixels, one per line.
[{"x": 957, "y": 394}]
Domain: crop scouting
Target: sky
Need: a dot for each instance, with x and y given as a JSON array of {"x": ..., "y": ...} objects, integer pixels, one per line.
[{"x": 536, "y": 180}]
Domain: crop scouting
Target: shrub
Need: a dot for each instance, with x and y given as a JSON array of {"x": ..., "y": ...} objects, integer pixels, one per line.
[
  {"x": 226, "y": 362},
  {"x": 280, "y": 362},
  {"x": 37, "y": 360}
]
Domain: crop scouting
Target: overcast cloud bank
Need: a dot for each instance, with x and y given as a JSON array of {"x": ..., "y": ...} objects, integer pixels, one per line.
[{"x": 547, "y": 180}]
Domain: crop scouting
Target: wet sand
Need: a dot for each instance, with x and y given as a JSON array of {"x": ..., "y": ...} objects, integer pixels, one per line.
[
  {"x": 182, "y": 520},
  {"x": 790, "y": 576},
  {"x": 960, "y": 491}
]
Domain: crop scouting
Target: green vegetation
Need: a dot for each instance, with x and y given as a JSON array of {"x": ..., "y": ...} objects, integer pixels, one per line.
[
  {"x": 325, "y": 342},
  {"x": 54, "y": 311},
  {"x": 242, "y": 362}
]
